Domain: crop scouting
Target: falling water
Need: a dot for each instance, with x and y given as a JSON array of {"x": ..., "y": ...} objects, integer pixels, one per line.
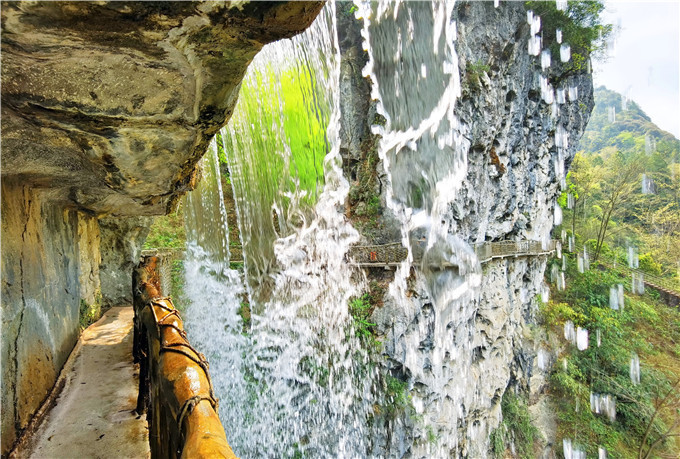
[
  {"x": 581, "y": 339},
  {"x": 287, "y": 374},
  {"x": 637, "y": 283},
  {"x": 558, "y": 215},
  {"x": 614, "y": 298},
  {"x": 603, "y": 404},
  {"x": 569, "y": 331},
  {"x": 534, "y": 45},
  {"x": 543, "y": 359},
  {"x": 650, "y": 144},
  {"x": 611, "y": 114},
  {"x": 635, "y": 369},
  {"x": 570, "y": 451},
  {"x": 424, "y": 147},
  {"x": 573, "y": 93},
  {"x": 545, "y": 59},
  {"x": 565, "y": 52},
  {"x": 633, "y": 260},
  {"x": 291, "y": 376},
  {"x": 648, "y": 186},
  {"x": 206, "y": 214}
]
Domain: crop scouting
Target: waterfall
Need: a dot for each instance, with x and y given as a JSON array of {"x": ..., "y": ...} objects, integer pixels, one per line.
[
  {"x": 424, "y": 151},
  {"x": 291, "y": 376}
]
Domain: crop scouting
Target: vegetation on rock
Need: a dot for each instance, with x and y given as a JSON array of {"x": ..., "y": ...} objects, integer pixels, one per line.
[{"x": 582, "y": 28}]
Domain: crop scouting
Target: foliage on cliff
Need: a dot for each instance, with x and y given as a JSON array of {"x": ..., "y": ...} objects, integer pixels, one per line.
[
  {"x": 167, "y": 231},
  {"x": 647, "y": 413},
  {"x": 581, "y": 25}
]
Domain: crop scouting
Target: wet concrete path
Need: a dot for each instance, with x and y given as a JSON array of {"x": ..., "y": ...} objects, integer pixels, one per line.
[{"x": 94, "y": 415}]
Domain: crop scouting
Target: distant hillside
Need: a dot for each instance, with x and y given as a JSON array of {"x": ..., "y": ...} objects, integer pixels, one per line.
[{"x": 601, "y": 132}]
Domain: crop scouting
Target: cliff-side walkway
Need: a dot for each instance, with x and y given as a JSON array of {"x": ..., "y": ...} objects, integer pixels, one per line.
[{"x": 94, "y": 416}]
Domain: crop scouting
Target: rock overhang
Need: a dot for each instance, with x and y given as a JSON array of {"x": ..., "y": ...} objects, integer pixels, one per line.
[{"x": 110, "y": 105}]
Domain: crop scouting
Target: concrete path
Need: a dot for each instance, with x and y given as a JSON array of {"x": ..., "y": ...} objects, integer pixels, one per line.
[{"x": 94, "y": 415}]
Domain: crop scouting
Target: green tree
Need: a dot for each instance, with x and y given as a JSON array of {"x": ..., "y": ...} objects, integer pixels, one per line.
[{"x": 619, "y": 180}]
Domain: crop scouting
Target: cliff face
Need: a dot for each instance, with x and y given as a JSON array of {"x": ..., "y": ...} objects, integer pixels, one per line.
[
  {"x": 106, "y": 109},
  {"x": 508, "y": 193}
]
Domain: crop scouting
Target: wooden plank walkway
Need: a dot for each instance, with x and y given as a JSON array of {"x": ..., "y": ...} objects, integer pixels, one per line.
[{"x": 94, "y": 415}]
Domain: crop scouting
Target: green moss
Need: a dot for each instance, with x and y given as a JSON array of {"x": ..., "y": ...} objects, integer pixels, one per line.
[
  {"x": 361, "y": 309},
  {"x": 516, "y": 427},
  {"x": 90, "y": 313},
  {"x": 474, "y": 73},
  {"x": 397, "y": 398},
  {"x": 244, "y": 313}
]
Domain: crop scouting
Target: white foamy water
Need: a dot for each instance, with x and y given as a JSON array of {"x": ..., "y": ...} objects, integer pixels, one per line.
[
  {"x": 604, "y": 404},
  {"x": 545, "y": 59},
  {"x": 635, "y": 369},
  {"x": 572, "y": 451},
  {"x": 558, "y": 215},
  {"x": 565, "y": 52},
  {"x": 288, "y": 382},
  {"x": 581, "y": 339},
  {"x": 423, "y": 146},
  {"x": 614, "y": 298}
]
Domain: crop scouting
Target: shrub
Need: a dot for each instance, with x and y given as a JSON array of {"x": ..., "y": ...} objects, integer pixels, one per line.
[
  {"x": 648, "y": 264},
  {"x": 581, "y": 26}
]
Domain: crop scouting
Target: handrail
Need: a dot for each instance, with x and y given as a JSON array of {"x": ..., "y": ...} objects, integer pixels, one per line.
[{"x": 175, "y": 389}]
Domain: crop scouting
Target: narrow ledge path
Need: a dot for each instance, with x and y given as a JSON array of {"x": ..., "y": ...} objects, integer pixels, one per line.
[{"x": 94, "y": 415}]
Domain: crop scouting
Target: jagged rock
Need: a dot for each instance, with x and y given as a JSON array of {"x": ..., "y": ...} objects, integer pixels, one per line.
[
  {"x": 121, "y": 243},
  {"x": 460, "y": 367}
]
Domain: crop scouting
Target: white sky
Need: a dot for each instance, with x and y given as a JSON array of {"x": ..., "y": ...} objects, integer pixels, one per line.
[{"x": 645, "y": 61}]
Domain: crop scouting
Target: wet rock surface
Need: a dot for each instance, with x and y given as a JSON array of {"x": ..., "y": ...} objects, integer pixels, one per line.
[{"x": 94, "y": 416}]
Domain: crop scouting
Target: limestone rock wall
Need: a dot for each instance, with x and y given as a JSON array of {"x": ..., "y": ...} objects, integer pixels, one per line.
[
  {"x": 458, "y": 364},
  {"x": 50, "y": 263},
  {"x": 122, "y": 239},
  {"x": 112, "y": 104}
]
